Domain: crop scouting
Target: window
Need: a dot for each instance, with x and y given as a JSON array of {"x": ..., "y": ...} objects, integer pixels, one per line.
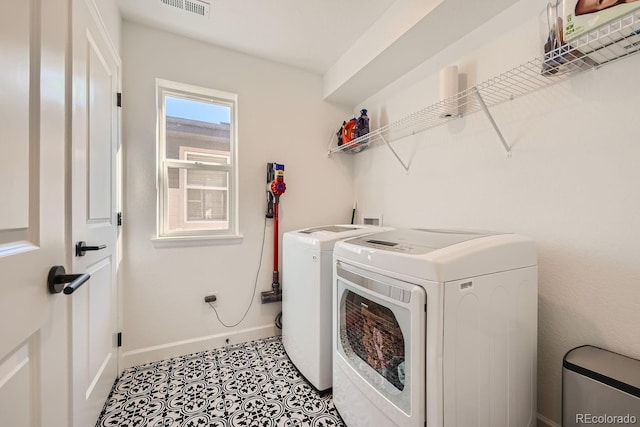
[{"x": 197, "y": 162}]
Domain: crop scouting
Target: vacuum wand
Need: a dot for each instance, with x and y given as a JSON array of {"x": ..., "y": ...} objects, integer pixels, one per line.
[
  {"x": 276, "y": 187},
  {"x": 276, "y": 274}
]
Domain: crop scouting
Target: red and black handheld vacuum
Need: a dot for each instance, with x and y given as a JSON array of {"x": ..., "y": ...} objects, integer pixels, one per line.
[{"x": 275, "y": 188}]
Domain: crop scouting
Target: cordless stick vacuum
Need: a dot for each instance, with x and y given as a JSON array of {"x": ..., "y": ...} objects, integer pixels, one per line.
[{"x": 275, "y": 188}]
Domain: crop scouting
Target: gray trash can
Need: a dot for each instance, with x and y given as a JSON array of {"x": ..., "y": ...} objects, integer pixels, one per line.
[{"x": 600, "y": 388}]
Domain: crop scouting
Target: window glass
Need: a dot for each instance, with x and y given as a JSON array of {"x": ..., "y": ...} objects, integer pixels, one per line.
[{"x": 196, "y": 124}]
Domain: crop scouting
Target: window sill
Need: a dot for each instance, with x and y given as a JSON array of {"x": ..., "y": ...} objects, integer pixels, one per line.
[{"x": 189, "y": 241}]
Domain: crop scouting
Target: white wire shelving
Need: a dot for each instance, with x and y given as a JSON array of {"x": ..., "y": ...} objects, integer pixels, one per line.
[{"x": 608, "y": 43}]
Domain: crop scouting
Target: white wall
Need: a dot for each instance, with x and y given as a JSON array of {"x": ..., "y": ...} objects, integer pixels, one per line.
[
  {"x": 283, "y": 119},
  {"x": 571, "y": 183}
]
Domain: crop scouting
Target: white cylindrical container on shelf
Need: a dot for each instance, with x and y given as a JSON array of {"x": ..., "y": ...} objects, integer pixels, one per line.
[{"x": 448, "y": 89}]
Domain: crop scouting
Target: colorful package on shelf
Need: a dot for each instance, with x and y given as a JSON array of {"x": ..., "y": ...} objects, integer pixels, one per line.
[
  {"x": 354, "y": 129},
  {"x": 582, "y": 16},
  {"x": 559, "y": 56}
]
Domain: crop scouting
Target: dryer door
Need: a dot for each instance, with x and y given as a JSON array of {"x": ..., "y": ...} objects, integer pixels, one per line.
[{"x": 381, "y": 332}]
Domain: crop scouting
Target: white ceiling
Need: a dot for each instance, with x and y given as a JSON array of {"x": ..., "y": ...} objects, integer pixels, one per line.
[
  {"x": 358, "y": 46},
  {"x": 309, "y": 34}
]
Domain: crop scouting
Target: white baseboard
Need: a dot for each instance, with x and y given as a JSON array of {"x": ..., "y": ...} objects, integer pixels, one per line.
[
  {"x": 546, "y": 422},
  {"x": 180, "y": 348}
]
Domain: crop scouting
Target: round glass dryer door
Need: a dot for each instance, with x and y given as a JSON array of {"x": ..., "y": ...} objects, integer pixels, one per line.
[
  {"x": 372, "y": 333},
  {"x": 381, "y": 332}
]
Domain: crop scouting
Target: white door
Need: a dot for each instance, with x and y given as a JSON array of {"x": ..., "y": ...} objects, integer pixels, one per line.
[
  {"x": 34, "y": 372},
  {"x": 93, "y": 199}
]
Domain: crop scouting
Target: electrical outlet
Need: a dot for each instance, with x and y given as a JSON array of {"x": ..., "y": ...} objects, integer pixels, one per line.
[{"x": 211, "y": 298}]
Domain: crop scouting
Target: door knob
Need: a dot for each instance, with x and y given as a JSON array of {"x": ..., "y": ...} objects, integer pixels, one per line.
[
  {"x": 82, "y": 248},
  {"x": 58, "y": 278}
]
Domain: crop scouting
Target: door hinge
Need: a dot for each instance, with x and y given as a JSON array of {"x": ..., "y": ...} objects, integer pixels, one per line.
[
  {"x": 119, "y": 219},
  {"x": 119, "y": 339},
  {"x": 119, "y": 99}
]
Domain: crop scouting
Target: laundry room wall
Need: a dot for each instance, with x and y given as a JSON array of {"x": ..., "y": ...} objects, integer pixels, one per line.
[
  {"x": 571, "y": 183},
  {"x": 283, "y": 119}
]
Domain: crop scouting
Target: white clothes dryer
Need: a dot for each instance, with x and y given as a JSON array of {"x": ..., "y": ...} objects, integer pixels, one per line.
[
  {"x": 435, "y": 328},
  {"x": 306, "y": 297}
]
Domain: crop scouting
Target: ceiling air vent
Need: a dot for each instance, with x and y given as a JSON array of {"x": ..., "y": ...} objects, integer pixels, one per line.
[{"x": 197, "y": 7}]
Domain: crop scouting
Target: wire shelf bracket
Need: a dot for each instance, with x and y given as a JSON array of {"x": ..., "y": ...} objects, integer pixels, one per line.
[
  {"x": 405, "y": 166},
  {"x": 492, "y": 121}
]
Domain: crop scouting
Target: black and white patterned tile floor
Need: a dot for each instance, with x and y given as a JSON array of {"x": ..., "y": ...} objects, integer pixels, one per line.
[{"x": 249, "y": 384}]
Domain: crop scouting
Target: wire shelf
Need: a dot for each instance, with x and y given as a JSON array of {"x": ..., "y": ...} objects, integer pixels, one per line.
[{"x": 613, "y": 41}]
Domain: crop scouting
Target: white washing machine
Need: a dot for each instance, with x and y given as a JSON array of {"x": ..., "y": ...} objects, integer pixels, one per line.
[
  {"x": 435, "y": 328},
  {"x": 307, "y": 270}
]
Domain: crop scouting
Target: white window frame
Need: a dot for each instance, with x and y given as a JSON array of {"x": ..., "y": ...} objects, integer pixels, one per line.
[{"x": 166, "y": 88}]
